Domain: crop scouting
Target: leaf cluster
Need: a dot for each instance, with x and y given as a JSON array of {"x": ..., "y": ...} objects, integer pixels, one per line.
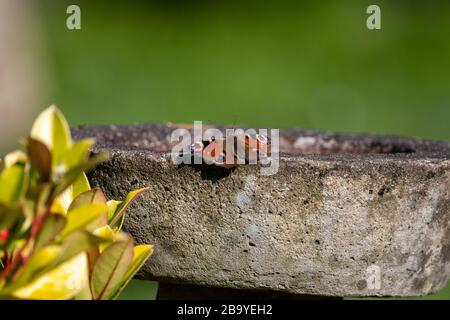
[{"x": 60, "y": 238}]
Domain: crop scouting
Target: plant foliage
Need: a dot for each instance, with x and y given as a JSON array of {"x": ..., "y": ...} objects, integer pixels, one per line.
[{"x": 60, "y": 239}]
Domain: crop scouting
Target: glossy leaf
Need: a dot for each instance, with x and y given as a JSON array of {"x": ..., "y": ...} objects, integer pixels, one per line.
[
  {"x": 118, "y": 224},
  {"x": 42, "y": 200},
  {"x": 109, "y": 235},
  {"x": 38, "y": 262},
  {"x": 12, "y": 184},
  {"x": 8, "y": 216},
  {"x": 72, "y": 176},
  {"x": 106, "y": 233},
  {"x": 84, "y": 294},
  {"x": 82, "y": 216},
  {"x": 50, "y": 257},
  {"x": 80, "y": 185},
  {"x": 116, "y": 219},
  {"x": 140, "y": 254},
  {"x": 64, "y": 231},
  {"x": 110, "y": 267},
  {"x": 15, "y": 157},
  {"x": 113, "y": 205},
  {"x": 76, "y": 242},
  {"x": 40, "y": 158},
  {"x": 91, "y": 196},
  {"x": 63, "y": 201},
  {"x": 77, "y": 154},
  {"x": 51, "y": 128},
  {"x": 63, "y": 282},
  {"x": 51, "y": 227}
]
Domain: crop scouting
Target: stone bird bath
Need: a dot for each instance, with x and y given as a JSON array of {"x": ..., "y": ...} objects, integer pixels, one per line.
[{"x": 346, "y": 215}]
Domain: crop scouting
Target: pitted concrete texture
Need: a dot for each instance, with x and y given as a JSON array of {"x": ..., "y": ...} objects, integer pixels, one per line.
[{"x": 346, "y": 215}]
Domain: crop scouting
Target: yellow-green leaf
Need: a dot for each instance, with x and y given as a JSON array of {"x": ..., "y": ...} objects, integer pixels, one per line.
[
  {"x": 8, "y": 216},
  {"x": 77, "y": 154},
  {"x": 110, "y": 268},
  {"x": 112, "y": 208},
  {"x": 12, "y": 184},
  {"x": 15, "y": 157},
  {"x": 81, "y": 184},
  {"x": 63, "y": 282},
  {"x": 76, "y": 242},
  {"x": 106, "y": 233},
  {"x": 71, "y": 176},
  {"x": 110, "y": 235},
  {"x": 52, "y": 129},
  {"x": 84, "y": 294},
  {"x": 51, "y": 227},
  {"x": 116, "y": 219},
  {"x": 91, "y": 196},
  {"x": 63, "y": 201},
  {"x": 140, "y": 255},
  {"x": 81, "y": 217},
  {"x": 38, "y": 262}
]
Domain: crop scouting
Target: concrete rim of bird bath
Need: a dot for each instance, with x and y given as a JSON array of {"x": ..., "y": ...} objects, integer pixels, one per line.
[{"x": 346, "y": 214}]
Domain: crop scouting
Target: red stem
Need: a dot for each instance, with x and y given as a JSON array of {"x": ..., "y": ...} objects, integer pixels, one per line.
[
  {"x": 35, "y": 227},
  {"x": 7, "y": 260}
]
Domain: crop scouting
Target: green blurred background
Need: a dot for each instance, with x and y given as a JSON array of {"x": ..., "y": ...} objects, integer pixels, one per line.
[{"x": 273, "y": 63}]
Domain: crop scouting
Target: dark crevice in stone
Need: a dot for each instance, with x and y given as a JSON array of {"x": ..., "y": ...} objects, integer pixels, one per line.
[{"x": 210, "y": 172}]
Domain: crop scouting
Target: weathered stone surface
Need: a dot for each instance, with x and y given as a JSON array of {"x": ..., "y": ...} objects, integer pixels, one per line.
[{"x": 338, "y": 205}]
